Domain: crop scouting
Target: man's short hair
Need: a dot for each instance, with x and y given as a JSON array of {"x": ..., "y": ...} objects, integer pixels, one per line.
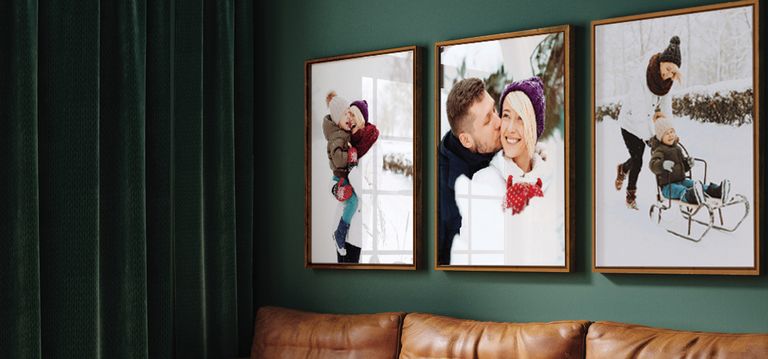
[{"x": 462, "y": 96}]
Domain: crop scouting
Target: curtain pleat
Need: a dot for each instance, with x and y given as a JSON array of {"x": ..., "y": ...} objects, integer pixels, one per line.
[
  {"x": 126, "y": 149},
  {"x": 159, "y": 157},
  {"x": 19, "y": 237},
  {"x": 122, "y": 225},
  {"x": 219, "y": 170},
  {"x": 68, "y": 126},
  {"x": 244, "y": 169},
  {"x": 190, "y": 306}
]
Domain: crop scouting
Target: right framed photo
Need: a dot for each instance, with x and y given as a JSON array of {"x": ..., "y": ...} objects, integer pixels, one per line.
[{"x": 676, "y": 145}]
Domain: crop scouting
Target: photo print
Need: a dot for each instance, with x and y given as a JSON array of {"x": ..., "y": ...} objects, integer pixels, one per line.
[
  {"x": 503, "y": 127},
  {"x": 362, "y": 160},
  {"x": 676, "y": 145}
]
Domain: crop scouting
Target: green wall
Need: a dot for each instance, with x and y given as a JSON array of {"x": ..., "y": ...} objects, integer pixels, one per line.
[{"x": 292, "y": 31}]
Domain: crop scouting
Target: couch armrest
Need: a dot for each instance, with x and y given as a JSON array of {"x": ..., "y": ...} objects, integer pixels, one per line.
[{"x": 287, "y": 333}]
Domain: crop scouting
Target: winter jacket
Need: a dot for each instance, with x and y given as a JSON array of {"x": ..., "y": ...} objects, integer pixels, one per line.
[
  {"x": 338, "y": 145},
  {"x": 674, "y": 153},
  {"x": 364, "y": 139},
  {"x": 454, "y": 160},
  {"x": 535, "y": 236},
  {"x": 640, "y": 104}
]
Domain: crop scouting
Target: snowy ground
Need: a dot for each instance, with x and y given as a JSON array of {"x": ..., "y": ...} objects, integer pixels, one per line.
[{"x": 629, "y": 238}]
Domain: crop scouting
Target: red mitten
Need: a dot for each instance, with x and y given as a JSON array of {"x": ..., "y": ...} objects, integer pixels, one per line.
[
  {"x": 342, "y": 190},
  {"x": 352, "y": 157},
  {"x": 519, "y": 194}
]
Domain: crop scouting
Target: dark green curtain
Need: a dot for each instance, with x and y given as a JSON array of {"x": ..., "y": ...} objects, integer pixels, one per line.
[{"x": 126, "y": 191}]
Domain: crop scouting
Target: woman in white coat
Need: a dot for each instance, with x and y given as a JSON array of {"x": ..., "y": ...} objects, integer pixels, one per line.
[
  {"x": 529, "y": 193},
  {"x": 647, "y": 99}
]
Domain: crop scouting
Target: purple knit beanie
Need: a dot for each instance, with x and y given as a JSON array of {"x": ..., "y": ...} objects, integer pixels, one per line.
[
  {"x": 363, "y": 106},
  {"x": 534, "y": 89}
]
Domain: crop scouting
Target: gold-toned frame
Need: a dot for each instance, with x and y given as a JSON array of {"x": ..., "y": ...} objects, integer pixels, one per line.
[
  {"x": 569, "y": 41},
  {"x": 417, "y": 214},
  {"x": 755, "y": 270}
]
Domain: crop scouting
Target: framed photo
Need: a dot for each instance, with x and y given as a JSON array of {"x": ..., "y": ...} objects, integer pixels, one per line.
[
  {"x": 503, "y": 135},
  {"x": 363, "y": 160},
  {"x": 676, "y": 146}
]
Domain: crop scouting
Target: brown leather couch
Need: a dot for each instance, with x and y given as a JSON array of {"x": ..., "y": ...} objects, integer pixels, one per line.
[{"x": 286, "y": 333}]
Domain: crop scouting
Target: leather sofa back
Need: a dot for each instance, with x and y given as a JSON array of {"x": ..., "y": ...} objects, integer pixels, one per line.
[
  {"x": 618, "y": 340},
  {"x": 286, "y": 333},
  {"x": 431, "y": 336}
]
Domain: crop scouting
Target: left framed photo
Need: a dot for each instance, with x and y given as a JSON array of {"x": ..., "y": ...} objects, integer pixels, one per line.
[{"x": 362, "y": 133}]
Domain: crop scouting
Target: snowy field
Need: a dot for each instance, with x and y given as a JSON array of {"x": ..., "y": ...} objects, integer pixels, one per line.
[{"x": 627, "y": 237}]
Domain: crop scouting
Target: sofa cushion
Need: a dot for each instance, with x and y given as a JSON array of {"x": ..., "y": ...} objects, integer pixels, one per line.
[
  {"x": 431, "y": 336},
  {"x": 286, "y": 333},
  {"x": 619, "y": 340}
]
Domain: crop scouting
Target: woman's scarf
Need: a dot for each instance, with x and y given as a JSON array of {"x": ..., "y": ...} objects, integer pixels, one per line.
[
  {"x": 656, "y": 84},
  {"x": 364, "y": 138}
]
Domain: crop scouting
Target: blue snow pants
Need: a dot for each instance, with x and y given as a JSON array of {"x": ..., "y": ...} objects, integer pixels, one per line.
[{"x": 676, "y": 190}]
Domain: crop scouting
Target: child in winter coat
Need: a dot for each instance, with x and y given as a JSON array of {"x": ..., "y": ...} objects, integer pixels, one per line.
[
  {"x": 670, "y": 166},
  {"x": 346, "y": 130}
]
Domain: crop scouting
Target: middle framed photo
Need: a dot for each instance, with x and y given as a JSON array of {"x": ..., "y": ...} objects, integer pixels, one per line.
[{"x": 504, "y": 159}]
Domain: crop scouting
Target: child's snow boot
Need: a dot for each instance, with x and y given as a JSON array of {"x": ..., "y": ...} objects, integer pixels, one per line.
[
  {"x": 725, "y": 190},
  {"x": 340, "y": 237},
  {"x": 695, "y": 194}
]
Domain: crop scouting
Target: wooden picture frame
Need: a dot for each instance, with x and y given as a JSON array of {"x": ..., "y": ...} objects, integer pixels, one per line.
[
  {"x": 384, "y": 75},
  {"x": 531, "y": 42},
  {"x": 662, "y": 244}
]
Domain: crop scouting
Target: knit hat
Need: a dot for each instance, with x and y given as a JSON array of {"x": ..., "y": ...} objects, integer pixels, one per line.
[
  {"x": 663, "y": 125},
  {"x": 672, "y": 52},
  {"x": 337, "y": 106},
  {"x": 363, "y": 106},
  {"x": 534, "y": 89}
]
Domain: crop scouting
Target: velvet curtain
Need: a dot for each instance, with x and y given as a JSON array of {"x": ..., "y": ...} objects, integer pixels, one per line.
[{"x": 126, "y": 183}]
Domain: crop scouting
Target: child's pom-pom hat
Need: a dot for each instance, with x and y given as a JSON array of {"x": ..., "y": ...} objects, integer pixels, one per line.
[
  {"x": 662, "y": 125},
  {"x": 337, "y": 105}
]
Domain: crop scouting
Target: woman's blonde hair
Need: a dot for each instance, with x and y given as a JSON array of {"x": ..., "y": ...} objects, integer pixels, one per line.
[
  {"x": 519, "y": 102},
  {"x": 359, "y": 119}
]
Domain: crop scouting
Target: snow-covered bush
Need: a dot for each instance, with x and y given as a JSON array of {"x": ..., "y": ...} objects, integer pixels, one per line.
[
  {"x": 725, "y": 107},
  {"x": 611, "y": 110},
  {"x": 733, "y": 108},
  {"x": 398, "y": 163}
]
